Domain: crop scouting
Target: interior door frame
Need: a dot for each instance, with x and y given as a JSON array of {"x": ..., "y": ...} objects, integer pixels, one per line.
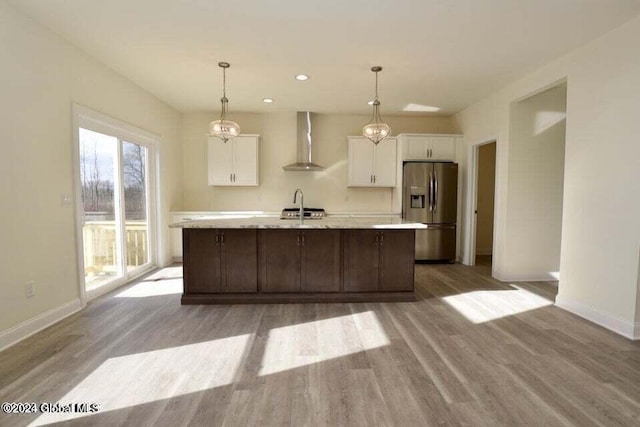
[
  {"x": 472, "y": 217},
  {"x": 84, "y": 117}
]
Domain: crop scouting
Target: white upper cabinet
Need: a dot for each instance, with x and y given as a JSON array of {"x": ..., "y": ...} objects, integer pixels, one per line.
[
  {"x": 234, "y": 163},
  {"x": 220, "y": 161},
  {"x": 443, "y": 148},
  {"x": 245, "y": 160},
  {"x": 428, "y": 147},
  {"x": 372, "y": 165}
]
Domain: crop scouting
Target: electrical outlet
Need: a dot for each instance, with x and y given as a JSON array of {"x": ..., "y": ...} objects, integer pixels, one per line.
[
  {"x": 65, "y": 200},
  {"x": 30, "y": 289}
]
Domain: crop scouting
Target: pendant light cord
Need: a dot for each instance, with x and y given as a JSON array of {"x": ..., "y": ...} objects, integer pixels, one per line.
[
  {"x": 224, "y": 82},
  {"x": 224, "y": 94},
  {"x": 376, "y": 86},
  {"x": 375, "y": 116}
]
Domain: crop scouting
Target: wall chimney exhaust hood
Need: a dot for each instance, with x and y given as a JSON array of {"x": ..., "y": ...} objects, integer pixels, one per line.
[{"x": 304, "y": 144}]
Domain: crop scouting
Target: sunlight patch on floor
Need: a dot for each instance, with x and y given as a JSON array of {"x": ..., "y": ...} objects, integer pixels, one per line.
[
  {"x": 165, "y": 273},
  {"x": 484, "y": 306},
  {"x": 160, "y": 374},
  {"x": 291, "y": 347},
  {"x": 152, "y": 289}
]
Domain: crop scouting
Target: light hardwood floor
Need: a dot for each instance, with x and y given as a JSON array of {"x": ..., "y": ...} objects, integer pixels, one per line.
[{"x": 470, "y": 351}]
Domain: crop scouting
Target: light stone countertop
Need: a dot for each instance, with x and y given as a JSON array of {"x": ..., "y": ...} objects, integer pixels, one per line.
[{"x": 373, "y": 222}]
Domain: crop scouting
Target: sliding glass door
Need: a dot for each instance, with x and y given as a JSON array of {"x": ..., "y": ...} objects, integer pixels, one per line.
[
  {"x": 101, "y": 234},
  {"x": 136, "y": 208},
  {"x": 115, "y": 213}
]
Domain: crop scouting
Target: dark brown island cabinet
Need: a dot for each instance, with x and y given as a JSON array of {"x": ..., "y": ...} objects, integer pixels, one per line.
[
  {"x": 220, "y": 261},
  {"x": 236, "y": 266},
  {"x": 377, "y": 261}
]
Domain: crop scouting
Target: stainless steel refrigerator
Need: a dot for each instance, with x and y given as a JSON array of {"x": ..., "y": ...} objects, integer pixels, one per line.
[{"x": 430, "y": 196}]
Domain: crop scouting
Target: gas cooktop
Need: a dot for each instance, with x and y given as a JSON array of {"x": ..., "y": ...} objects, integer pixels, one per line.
[{"x": 309, "y": 213}]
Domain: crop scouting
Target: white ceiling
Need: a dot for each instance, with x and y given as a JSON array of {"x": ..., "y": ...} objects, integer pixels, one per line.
[{"x": 443, "y": 53}]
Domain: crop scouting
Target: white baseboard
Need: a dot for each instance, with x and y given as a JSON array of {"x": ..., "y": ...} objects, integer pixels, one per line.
[
  {"x": 29, "y": 327},
  {"x": 606, "y": 320},
  {"x": 525, "y": 277}
]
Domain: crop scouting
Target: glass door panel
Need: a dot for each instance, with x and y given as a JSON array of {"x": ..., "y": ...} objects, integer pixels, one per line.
[
  {"x": 100, "y": 189},
  {"x": 134, "y": 166}
]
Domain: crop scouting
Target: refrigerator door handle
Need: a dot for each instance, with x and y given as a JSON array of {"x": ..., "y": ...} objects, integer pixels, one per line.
[
  {"x": 430, "y": 192},
  {"x": 435, "y": 196}
]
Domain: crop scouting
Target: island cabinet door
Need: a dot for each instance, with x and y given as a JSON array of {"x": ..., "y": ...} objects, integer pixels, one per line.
[
  {"x": 361, "y": 260},
  {"x": 201, "y": 261},
  {"x": 239, "y": 261},
  {"x": 397, "y": 260},
  {"x": 321, "y": 255},
  {"x": 279, "y": 264}
]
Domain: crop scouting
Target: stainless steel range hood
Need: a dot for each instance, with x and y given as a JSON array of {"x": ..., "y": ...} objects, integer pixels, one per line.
[{"x": 304, "y": 144}]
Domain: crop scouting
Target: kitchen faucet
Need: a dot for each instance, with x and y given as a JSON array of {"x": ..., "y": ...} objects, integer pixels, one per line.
[{"x": 301, "y": 203}]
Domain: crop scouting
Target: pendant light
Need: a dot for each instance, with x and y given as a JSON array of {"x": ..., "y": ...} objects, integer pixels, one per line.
[
  {"x": 376, "y": 130},
  {"x": 223, "y": 128}
]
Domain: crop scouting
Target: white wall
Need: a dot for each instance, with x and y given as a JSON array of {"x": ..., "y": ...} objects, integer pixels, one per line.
[
  {"x": 327, "y": 189},
  {"x": 601, "y": 207},
  {"x": 41, "y": 76},
  {"x": 536, "y": 170}
]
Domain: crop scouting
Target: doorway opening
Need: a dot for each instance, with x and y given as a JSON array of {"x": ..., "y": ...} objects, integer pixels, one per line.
[
  {"x": 536, "y": 185},
  {"x": 485, "y": 199},
  {"x": 116, "y": 202}
]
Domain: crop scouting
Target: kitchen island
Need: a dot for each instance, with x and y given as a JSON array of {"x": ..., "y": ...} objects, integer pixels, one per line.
[{"x": 270, "y": 260}]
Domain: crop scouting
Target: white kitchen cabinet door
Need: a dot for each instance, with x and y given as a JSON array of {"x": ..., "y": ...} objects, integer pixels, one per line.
[
  {"x": 372, "y": 165},
  {"x": 384, "y": 173},
  {"x": 220, "y": 162},
  {"x": 428, "y": 147},
  {"x": 416, "y": 147},
  {"x": 245, "y": 160},
  {"x": 360, "y": 162},
  {"x": 443, "y": 148},
  {"x": 234, "y": 163}
]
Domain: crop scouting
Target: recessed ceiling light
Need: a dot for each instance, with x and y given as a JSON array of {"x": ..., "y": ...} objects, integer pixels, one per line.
[
  {"x": 302, "y": 77},
  {"x": 267, "y": 100}
]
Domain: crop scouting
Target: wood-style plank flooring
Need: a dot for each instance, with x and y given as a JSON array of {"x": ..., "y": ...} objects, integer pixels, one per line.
[{"x": 471, "y": 351}]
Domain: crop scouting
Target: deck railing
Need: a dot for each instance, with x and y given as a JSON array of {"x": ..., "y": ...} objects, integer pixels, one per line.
[{"x": 100, "y": 247}]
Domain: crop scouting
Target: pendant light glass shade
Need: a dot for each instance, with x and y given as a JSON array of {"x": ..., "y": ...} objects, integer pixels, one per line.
[
  {"x": 223, "y": 128},
  {"x": 376, "y": 130}
]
